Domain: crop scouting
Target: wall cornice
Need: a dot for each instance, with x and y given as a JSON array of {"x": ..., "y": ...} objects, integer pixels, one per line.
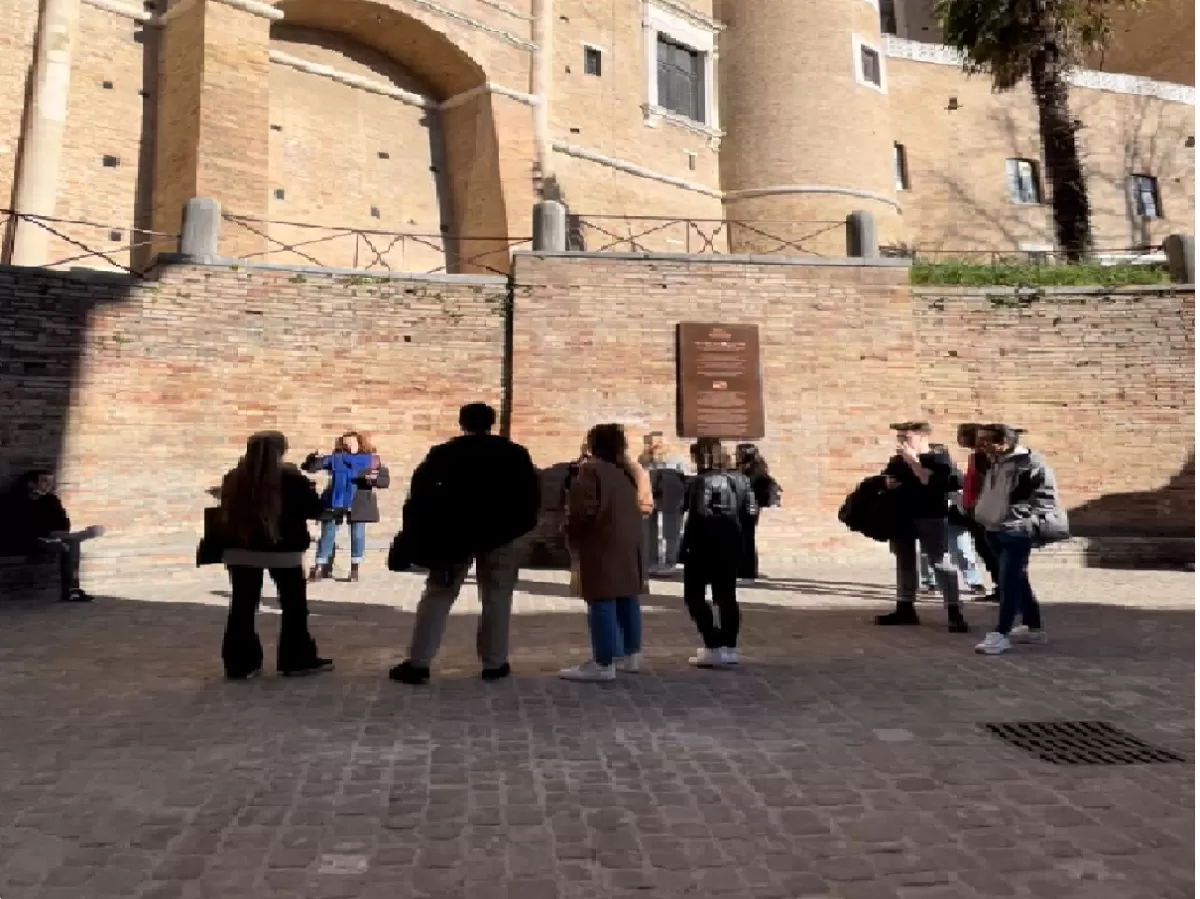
[
  {"x": 631, "y": 168},
  {"x": 1113, "y": 82}
]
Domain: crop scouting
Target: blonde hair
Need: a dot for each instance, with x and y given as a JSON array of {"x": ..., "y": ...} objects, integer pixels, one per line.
[{"x": 252, "y": 494}]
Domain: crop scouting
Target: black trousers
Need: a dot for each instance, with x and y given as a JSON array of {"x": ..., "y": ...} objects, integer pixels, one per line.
[
  {"x": 241, "y": 650},
  {"x": 748, "y": 566},
  {"x": 720, "y": 572}
]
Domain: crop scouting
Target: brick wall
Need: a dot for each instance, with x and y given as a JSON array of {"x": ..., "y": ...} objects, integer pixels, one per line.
[
  {"x": 146, "y": 392},
  {"x": 143, "y": 392},
  {"x": 1102, "y": 380}
]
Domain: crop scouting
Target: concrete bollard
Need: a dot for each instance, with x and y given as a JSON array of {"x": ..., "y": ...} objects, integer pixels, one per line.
[
  {"x": 549, "y": 227},
  {"x": 1181, "y": 258},
  {"x": 200, "y": 231},
  {"x": 861, "y": 241}
]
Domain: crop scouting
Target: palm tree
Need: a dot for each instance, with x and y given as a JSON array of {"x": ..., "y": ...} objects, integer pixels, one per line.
[{"x": 1039, "y": 40}]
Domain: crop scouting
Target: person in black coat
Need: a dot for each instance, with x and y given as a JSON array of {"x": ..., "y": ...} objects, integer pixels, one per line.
[
  {"x": 33, "y": 522},
  {"x": 470, "y": 499},
  {"x": 263, "y": 526},
  {"x": 923, "y": 477}
]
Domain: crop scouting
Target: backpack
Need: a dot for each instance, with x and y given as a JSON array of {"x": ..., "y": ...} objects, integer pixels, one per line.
[
  {"x": 715, "y": 497},
  {"x": 767, "y": 492}
]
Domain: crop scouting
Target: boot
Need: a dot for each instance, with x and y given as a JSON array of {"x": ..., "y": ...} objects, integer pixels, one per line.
[
  {"x": 354, "y": 572},
  {"x": 958, "y": 624},
  {"x": 905, "y": 614},
  {"x": 319, "y": 573}
]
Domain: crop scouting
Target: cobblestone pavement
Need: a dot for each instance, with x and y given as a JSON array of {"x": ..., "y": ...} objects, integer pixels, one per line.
[{"x": 843, "y": 761}]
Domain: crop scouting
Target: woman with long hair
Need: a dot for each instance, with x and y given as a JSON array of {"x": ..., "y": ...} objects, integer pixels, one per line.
[
  {"x": 750, "y": 462},
  {"x": 265, "y": 509},
  {"x": 355, "y": 473},
  {"x": 604, "y": 530}
]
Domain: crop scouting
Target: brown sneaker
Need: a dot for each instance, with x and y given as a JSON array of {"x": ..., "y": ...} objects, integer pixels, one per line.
[
  {"x": 354, "y": 572},
  {"x": 319, "y": 573}
]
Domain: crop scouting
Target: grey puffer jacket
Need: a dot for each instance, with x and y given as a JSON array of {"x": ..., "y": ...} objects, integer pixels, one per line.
[{"x": 1019, "y": 496}]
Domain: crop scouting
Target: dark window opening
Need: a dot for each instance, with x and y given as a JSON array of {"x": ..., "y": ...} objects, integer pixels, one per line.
[
  {"x": 681, "y": 79},
  {"x": 901, "y": 158},
  {"x": 592, "y": 61},
  {"x": 872, "y": 71},
  {"x": 887, "y": 17}
]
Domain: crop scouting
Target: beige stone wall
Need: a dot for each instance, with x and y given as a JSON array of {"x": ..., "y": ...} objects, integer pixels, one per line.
[
  {"x": 789, "y": 118},
  {"x": 959, "y": 198}
]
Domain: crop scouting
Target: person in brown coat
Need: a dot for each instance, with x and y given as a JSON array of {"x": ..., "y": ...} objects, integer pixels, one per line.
[{"x": 604, "y": 529}]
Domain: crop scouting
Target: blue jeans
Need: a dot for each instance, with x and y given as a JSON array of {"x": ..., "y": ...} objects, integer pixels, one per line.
[
  {"x": 358, "y": 541},
  {"x": 1016, "y": 595},
  {"x": 615, "y": 626},
  {"x": 963, "y": 551}
]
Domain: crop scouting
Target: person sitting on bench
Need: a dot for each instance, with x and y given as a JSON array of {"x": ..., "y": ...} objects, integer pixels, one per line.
[{"x": 35, "y": 523}]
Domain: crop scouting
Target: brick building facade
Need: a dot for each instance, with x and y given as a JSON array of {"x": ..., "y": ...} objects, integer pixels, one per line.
[{"x": 436, "y": 123}]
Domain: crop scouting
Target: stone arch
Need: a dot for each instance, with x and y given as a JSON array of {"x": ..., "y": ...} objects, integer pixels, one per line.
[{"x": 418, "y": 58}]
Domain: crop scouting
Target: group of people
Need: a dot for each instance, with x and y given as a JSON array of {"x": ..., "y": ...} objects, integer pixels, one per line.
[
  {"x": 469, "y": 501},
  {"x": 1006, "y": 504}
]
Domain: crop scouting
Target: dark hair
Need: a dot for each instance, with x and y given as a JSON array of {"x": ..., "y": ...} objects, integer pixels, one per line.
[
  {"x": 365, "y": 445},
  {"x": 1000, "y": 433},
  {"x": 34, "y": 475},
  {"x": 252, "y": 495},
  {"x": 607, "y": 442},
  {"x": 709, "y": 454},
  {"x": 913, "y": 427},
  {"x": 969, "y": 428},
  {"x": 476, "y": 418}
]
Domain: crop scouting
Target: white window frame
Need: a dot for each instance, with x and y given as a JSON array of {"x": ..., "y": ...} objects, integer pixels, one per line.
[
  {"x": 1035, "y": 170},
  {"x": 859, "y": 44},
  {"x": 657, "y": 20}
]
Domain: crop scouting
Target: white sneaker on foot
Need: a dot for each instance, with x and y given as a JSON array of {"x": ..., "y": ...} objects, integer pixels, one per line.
[
  {"x": 708, "y": 658},
  {"x": 1022, "y": 634},
  {"x": 589, "y": 671},
  {"x": 631, "y": 664},
  {"x": 993, "y": 645},
  {"x": 729, "y": 656}
]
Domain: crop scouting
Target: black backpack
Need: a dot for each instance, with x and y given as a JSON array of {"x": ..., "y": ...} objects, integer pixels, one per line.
[{"x": 715, "y": 497}]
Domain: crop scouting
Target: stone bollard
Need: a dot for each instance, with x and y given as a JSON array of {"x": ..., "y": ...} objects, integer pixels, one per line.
[
  {"x": 861, "y": 241},
  {"x": 549, "y": 227},
  {"x": 1181, "y": 258},
  {"x": 200, "y": 231}
]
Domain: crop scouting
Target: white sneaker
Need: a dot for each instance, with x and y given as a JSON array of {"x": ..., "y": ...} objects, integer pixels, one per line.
[
  {"x": 1022, "y": 634},
  {"x": 729, "y": 656},
  {"x": 631, "y": 664},
  {"x": 589, "y": 671},
  {"x": 994, "y": 644},
  {"x": 708, "y": 658}
]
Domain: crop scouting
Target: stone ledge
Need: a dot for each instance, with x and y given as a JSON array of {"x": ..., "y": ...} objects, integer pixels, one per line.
[{"x": 731, "y": 259}]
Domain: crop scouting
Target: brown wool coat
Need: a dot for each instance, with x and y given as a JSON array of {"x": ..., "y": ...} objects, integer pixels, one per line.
[{"x": 604, "y": 528}]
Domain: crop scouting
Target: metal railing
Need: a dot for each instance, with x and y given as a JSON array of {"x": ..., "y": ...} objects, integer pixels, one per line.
[
  {"x": 1152, "y": 256},
  {"x": 119, "y": 247},
  {"x": 371, "y": 250},
  {"x": 661, "y": 234}
]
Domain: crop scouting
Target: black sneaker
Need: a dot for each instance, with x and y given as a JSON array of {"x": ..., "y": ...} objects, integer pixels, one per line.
[
  {"x": 492, "y": 674},
  {"x": 78, "y": 595},
  {"x": 978, "y": 590},
  {"x": 994, "y": 596},
  {"x": 959, "y": 625},
  {"x": 905, "y": 614},
  {"x": 314, "y": 667},
  {"x": 407, "y": 673}
]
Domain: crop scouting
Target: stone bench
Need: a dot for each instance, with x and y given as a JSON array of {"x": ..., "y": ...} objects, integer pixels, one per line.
[{"x": 31, "y": 578}]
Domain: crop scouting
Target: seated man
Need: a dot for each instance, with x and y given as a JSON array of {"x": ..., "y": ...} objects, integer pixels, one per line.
[{"x": 35, "y": 523}]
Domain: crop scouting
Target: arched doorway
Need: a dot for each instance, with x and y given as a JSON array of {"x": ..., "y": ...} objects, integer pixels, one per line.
[{"x": 367, "y": 164}]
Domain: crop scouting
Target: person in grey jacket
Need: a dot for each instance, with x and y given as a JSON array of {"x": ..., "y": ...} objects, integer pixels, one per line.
[{"x": 1018, "y": 505}]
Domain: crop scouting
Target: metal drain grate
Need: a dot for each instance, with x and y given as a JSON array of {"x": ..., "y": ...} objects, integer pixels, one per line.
[{"x": 1081, "y": 743}]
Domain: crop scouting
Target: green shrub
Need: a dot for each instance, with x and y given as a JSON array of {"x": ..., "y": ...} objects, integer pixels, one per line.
[{"x": 968, "y": 274}]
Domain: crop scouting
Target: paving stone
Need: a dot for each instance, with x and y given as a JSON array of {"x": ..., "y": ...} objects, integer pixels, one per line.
[{"x": 841, "y": 762}]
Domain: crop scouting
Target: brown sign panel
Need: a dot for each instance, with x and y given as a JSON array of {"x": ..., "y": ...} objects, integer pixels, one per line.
[{"x": 720, "y": 381}]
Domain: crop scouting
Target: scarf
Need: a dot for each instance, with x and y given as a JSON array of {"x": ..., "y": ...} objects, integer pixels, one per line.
[{"x": 344, "y": 469}]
